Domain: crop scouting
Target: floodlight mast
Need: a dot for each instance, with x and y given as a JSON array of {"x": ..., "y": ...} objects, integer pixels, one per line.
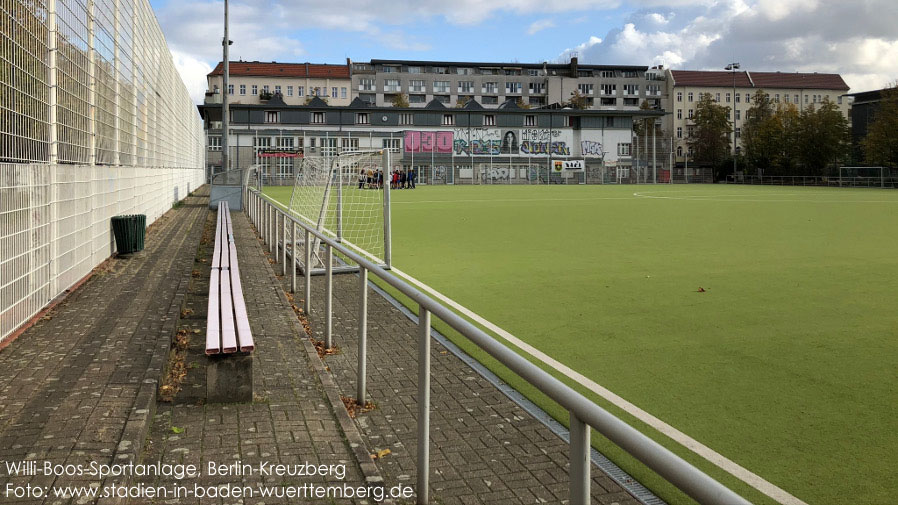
[
  {"x": 225, "y": 110},
  {"x": 733, "y": 67}
]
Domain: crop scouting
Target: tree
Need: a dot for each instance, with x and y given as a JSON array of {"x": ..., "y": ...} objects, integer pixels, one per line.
[
  {"x": 400, "y": 100},
  {"x": 762, "y": 133},
  {"x": 789, "y": 120},
  {"x": 577, "y": 101},
  {"x": 823, "y": 138},
  {"x": 881, "y": 143},
  {"x": 462, "y": 101},
  {"x": 709, "y": 138},
  {"x": 522, "y": 104}
]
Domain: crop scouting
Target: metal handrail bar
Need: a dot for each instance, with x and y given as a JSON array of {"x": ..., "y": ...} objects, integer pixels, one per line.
[{"x": 584, "y": 412}]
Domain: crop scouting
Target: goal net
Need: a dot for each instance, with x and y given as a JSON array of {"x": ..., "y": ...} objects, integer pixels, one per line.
[{"x": 341, "y": 197}]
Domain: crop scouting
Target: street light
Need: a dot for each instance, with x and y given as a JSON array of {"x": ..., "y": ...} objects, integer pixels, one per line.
[{"x": 733, "y": 67}]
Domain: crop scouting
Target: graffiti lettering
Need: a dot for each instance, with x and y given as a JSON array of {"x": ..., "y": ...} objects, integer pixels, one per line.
[
  {"x": 481, "y": 147},
  {"x": 559, "y": 148},
  {"x": 428, "y": 142},
  {"x": 539, "y": 135},
  {"x": 591, "y": 148}
]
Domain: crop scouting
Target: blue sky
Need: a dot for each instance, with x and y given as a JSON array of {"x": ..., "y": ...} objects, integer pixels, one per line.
[{"x": 856, "y": 39}]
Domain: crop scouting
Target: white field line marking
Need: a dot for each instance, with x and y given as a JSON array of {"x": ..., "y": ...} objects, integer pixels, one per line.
[
  {"x": 742, "y": 198},
  {"x": 695, "y": 446}
]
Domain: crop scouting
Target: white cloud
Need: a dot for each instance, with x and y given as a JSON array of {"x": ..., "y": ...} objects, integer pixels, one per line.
[
  {"x": 854, "y": 39},
  {"x": 193, "y": 73},
  {"x": 538, "y": 26}
]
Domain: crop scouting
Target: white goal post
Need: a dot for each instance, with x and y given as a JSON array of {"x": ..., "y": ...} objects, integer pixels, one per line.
[{"x": 346, "y": 197}]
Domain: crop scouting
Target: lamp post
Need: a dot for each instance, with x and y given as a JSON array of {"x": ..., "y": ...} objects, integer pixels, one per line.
[
  {"x": 225, "y": 111},
  {"x": 733, "y": 67}
]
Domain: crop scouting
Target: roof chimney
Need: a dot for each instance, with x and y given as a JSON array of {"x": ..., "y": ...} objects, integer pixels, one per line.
[{"x": 574, "y": 66}]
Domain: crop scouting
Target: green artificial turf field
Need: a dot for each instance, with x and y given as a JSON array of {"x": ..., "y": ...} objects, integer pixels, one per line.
[{"x": 785, "y": 364}]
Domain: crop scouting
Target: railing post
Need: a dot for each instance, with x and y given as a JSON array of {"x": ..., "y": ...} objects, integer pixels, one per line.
[
  {"x": 284, "y": 249},
  {"x": 271, "y": 227},
  {"x": 579, "y": 461},
  {"x": 307, "y": 292},
  {"x": 363, "y": 334},
  {"x": 277, "y": 219},
  {"x": 329, "y": 298},
  {"x": 423, "y": 406},
  {"x": 293, "y": 258}
]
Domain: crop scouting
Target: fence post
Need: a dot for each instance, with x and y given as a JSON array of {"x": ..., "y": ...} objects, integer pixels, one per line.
[
  {"x": 579, "y": 461},
  {"x": 293, "y": 258},
  {"x": 277, "y": 232},
  {"x": 388, "y": 227},
  {"x": 272, "y": 218},
  {"x": 307, "y": 305},
  {"x": 363, "y": 334},
  {"x": 329, "y": 298},
  {"x": 284, "y": 249},
  {"x": 423, "y": 406}
]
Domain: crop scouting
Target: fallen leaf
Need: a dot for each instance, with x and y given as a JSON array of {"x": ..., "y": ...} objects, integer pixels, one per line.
[
  {"x": 701, "y": 289},
  {"x": 176, "y": 430}
]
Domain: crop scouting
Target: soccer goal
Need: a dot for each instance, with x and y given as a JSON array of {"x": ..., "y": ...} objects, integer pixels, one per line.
[{"x": 344, "y": 198}]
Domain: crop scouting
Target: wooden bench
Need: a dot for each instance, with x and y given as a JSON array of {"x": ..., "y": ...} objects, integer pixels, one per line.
[{"x": 227, "y": 325}]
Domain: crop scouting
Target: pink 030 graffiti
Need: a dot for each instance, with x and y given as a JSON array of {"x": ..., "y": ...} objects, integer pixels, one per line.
[{"x": 428, "y": 142}]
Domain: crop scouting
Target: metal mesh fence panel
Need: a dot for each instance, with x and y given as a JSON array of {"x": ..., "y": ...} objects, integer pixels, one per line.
[{"x": 94, "y": 122}]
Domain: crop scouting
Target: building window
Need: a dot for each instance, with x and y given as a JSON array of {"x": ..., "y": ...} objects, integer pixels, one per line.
[
  {"x": 717, "y": 97},
  {"x": 366, "y": 84},
  {"x": 529, "y": 120},
  {"x": 489, "y": 120},
  {"x": 277, "y": 90},
  {"x": 349, "y": 144},
  {"x": 389, "y": 70},
  {"x": 260, "y": 143},
  {"x": 440, "y": 86},
  {"x": 776, "y": 98},
  {"x": 334, "y": 92},
  {"x": 448, "y": 119},
  {"x": 679, "y": 113},
  {"x": 463, "y": 71},
  {"x": 271, "y": 116},
  {"x": 747, "y": 98},
  {"x": 631, "y": 89},
  {"x": 608, "y": 74},
  {"x": 728, "y": 98},
  {"x": 839, "y": 100},
  {"x": 806, "y": 99},
  {"x": 738, "y": 115},
  {"x": 609, "y": 89},
  {"x": 689, "y": 96},
  {"x": 629, "y": 74},
  {"x": 679, "y": 132},
  {"x": 786, "y": 98},
  {"x": 679, "y": 96},
  {"x": 737, "y": 97},
  {"x": 653, "y": 90},
  {"x": 300, "y": 91},
  {"x": 584, "y": 89},
  {"x": 537, "y": 88},
  {"x": 230, "y": 89},
  {"x": 738, "y": 133},
  {"x": 414, "y": 70},
  {"x": 417, "y": 86},
  {"x": 489, "y": 88},
  {"x": 328, "y": 146},
  {"x": 391, "y": 144},
  {"x": 265, "y": 88},
  {"x": 623, "y": 149},
  {"x": 214, "y": 142},
  {"x": 289, "y": 90},
  {"x": 465, "y": 86},
  {"x": 406, "y": 119},
  {"x": 317, "y": 118},
  {"x": 679, "y": 151},
  {"x": 243, "y": 89},
  {"x": 513, "y": 88},
  {"x": 391, "y": 84},
  {"x": 255, "y": 89},
  {"x": 690, "y": 114},
  {"x": 417, "y": 99},
  {"x": 362, "y": 118}
]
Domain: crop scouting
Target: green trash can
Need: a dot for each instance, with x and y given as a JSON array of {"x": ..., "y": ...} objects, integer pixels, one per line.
[{"x": 129, "y": 232}]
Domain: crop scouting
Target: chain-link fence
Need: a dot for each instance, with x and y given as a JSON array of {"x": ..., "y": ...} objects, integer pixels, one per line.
[{"x": 94, "y": 122}]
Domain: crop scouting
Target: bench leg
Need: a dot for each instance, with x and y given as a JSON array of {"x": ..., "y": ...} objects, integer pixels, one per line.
[{"x": 229, "y": 379}]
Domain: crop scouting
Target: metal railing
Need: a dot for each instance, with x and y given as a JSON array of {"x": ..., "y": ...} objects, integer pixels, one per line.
[{"x": 584, "y": 413}]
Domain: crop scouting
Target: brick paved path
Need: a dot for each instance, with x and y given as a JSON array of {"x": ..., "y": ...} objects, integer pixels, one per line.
[
  {"x": 485, "y": 448},
  {"x": 76, "y": 386}
]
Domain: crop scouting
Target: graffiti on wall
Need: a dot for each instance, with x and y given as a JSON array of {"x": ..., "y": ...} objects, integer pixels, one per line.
[
  {"x": 478, "y": 147},
  {"x": 428, "y": 142},
  {"x": 557, "y": 148},
  {"x": 591, "y": 148}
]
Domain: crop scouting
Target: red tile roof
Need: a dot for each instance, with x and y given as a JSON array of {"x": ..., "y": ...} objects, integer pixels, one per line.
[
  {"x": 724, "y": 79},
  {"x": 709, "y": 79},
  {"x": 798, "y": 81},
  {"x": 274, "y": 69}
]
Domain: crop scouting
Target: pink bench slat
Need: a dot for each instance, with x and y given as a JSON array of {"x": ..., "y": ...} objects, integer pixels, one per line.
[
  {"x": 213, "y": 329},
  {"x": 244, "y": 333},
  {"x": 228, "y": 331}
]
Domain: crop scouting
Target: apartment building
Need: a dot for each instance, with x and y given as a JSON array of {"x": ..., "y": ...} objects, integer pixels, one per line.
[
  {"x": 254, "y": 82},
  {"x": 735, "y": 90},
  {"x": 445, "y": 145},
  {"x": 605, "y": 87}
]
